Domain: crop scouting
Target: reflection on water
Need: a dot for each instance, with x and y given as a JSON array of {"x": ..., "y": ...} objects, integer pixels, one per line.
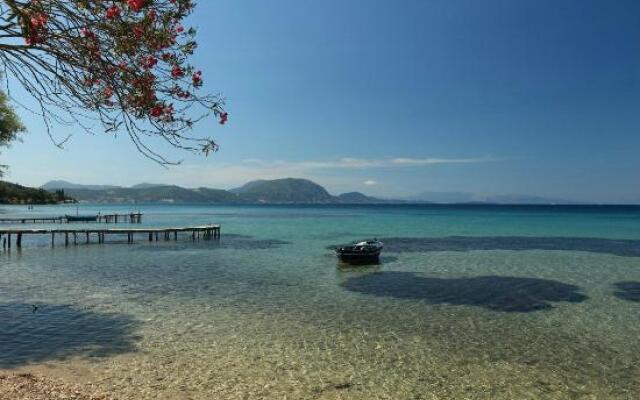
[
  {"x": 31, "y": 333},
  {"x": 497, "y": 293},
  {"x": 628, "y": 291}
]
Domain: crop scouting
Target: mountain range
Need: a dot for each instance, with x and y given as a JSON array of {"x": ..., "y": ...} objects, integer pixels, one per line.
[{"x": 278, "y": 191}]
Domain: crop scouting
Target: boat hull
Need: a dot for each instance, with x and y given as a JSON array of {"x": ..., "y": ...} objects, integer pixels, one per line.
[
  {"x": 81, "y": 218},
  {"x": 358, "y": 257}
]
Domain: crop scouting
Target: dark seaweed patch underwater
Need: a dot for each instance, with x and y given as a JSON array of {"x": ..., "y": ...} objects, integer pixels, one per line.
[
  {"x": 629, "y": 291},
  {"x": 45, "y": 332},
  {"x": 497, "y": 293}
]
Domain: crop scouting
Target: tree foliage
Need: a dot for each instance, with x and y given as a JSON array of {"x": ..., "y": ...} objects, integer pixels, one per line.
[
  {"x": 121, "y": 63},
  {"x": 10, "y": 125}
]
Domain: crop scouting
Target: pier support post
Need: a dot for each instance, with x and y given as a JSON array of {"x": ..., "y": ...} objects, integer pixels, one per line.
[
  {"x": 9, "y": 241},
  {"x": 87, "y": 237},
  {"x": 150, "y": 236},
  {"x": 66, "y": 238},
  {"x": 175, "y": 235},
  {"x": 53, "y": 238},
  {"x": 19, "y": 240}
]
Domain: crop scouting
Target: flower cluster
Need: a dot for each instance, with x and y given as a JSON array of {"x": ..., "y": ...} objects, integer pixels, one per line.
[
  {"x": 131, "y": 55},
  {"x": 36, "y": 28}
]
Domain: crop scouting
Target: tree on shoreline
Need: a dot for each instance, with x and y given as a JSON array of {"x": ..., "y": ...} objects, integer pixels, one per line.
[
  {"x": 10, "y": 126},
  {"x": 120, "y": 64}
]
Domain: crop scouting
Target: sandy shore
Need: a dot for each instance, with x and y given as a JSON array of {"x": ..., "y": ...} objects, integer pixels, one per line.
[{"x": 26, "y": 386}]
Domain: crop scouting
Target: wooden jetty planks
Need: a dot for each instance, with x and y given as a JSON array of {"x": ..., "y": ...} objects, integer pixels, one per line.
[
  {"x": 133, "y": 218},
  {"x": 209, "y": 232}
]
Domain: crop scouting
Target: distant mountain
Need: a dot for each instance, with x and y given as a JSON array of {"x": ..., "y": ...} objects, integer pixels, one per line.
[
  {"x": 280, "y": 191},
  {"x": 145, "y": 185},
  {"x": 53, "y": 185},
  {"x": 359, "y": 198},
  {"x": 288, "y": 190},
  {"x": 442, "y": 197}
]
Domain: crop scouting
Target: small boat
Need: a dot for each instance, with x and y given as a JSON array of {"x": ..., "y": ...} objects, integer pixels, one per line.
[
  {"x": 361, "y": 252},
  {"x": 81, "y": 218}
]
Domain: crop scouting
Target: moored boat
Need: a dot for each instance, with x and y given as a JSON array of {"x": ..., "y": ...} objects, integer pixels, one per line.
[
  {"x": 81, "y": 218},
  {"x": 361, "y": 252}
]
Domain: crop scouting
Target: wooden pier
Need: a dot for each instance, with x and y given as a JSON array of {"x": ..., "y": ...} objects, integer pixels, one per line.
[
  {"x": 133, "y": 218},
  {"x": 76, "y": 236}
]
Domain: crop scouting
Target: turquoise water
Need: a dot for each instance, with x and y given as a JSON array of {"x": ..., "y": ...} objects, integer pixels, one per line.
[{"x": 467, "y": 302}]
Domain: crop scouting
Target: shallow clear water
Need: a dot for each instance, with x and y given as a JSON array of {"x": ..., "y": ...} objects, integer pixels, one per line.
[{"x": 468, "y": 302}]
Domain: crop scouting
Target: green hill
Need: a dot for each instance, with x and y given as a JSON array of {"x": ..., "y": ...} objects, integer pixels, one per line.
[
  {"x": 11, "y": 193},
  {"x": 288, "y": 190}
]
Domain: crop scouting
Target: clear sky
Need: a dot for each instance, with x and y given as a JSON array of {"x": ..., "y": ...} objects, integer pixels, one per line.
[{"x": 393, "y": 98}]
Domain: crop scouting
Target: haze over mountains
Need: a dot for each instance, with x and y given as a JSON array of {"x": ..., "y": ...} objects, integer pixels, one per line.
[
  {"x": 465, "y": 197},
  {"x": 278, "y": 191}
]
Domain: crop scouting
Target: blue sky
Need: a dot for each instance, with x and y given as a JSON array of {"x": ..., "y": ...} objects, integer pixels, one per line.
[{"x": 394, "y": 98}]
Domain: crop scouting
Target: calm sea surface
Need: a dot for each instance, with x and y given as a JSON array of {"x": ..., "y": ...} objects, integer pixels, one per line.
[{"x": 467, "y": 302}]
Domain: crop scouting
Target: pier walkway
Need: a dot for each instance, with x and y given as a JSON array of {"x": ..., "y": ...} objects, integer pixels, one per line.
[
  {"x": 75, "y": 236},
  {"x": 134, "y": 218}
]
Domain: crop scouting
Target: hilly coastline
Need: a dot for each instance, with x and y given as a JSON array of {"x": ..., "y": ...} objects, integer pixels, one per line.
[{"x": 278, "y": 191}]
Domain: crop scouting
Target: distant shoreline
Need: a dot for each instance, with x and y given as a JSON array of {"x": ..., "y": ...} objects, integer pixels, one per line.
[{"x": 336, "y": 205}]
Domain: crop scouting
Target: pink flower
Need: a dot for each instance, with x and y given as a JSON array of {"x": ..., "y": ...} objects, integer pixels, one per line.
[
  {"x": 223, "y": 118},
  {"x": 138, "y": 31},
  {"x": 149, "y": 62},
  {"x": 197, "y": 78},
  {"x": 156, "y": 111},
  {"x": 87, "y": 33},
  {"x": 177, "y": 72},
  {"x": 39, "y": 20},
  {"x": 113, "y": 12},
  {"x": 136, "y": 5}
]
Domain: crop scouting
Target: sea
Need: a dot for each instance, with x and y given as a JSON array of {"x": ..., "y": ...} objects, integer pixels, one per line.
[{"x": 467, "y": 302}]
